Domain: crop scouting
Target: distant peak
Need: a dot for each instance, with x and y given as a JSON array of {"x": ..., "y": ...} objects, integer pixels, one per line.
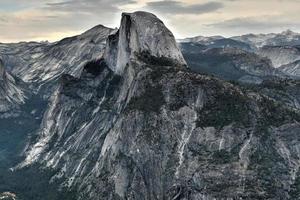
[
  {"x": 141, "y": 32},
  {"x": 288, "y": 32},
  {"x": 201, "y": 39},
  {"x": 97, "y": 29}
]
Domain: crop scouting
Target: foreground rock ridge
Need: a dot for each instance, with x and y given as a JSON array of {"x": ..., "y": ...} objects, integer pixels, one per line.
[{"x": 138, "y": 124}]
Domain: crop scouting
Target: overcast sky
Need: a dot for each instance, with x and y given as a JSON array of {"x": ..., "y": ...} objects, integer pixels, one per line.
[{"x": 24, "y": 20}]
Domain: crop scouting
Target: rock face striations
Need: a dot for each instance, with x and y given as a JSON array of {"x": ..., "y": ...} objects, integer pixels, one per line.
[{"x": 137, "y": 124}]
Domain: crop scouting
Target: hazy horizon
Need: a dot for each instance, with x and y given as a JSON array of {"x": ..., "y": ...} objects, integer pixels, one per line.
[
  {"x": 52, "y": 20},
  {"x": 75, "y": 34}
]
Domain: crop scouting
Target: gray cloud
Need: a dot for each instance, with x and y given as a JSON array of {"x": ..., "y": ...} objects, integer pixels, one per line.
[
  {"x": 262, "y": 22},
  {"x": 55, "y": 17},
  {"x": 88, "y": 6},
  {"x": 177, "y": 7}
]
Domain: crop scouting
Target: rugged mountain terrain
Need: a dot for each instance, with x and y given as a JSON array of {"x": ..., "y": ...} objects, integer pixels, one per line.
[
  {"x": 128, "y": 119},
  {"x": 32, "y": 73},
  {"x": 200, "y": 39},
  {"x": 229, "y": 63},
  {"x": 44, "y": 62},
  {"x": 248, "y": 42},
  {"x": 139, "y": 124},
  {"x": 291, "y": 69},
  {"x": 281, "y": 49},
  {"x": 286, "y": 38},
  {"x": 217, "y": 42},
  {"x": 280, "y": 55},
  {"x": 250, "y": 68},
  {"x": 283, "y": 91},
  {"x": 13, "y": 96},
  {"x": 20, "y": 114}
]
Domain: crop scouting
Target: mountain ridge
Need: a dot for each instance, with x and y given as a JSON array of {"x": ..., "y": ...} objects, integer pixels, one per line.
[
  {"x": 256, "y": 41},
  {"x": 44, "y": 62},
  {"x": 156, "y": 130}
]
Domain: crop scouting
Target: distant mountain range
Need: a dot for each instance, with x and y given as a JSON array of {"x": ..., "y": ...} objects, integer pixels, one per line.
[
  {"x": 286, "y": 38},
  {"x": 281, "y": 49}
]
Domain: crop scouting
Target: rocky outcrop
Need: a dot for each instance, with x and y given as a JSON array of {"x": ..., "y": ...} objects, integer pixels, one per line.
[
  {"x": 139, "y": 33},
  {"x": 145, "y": 127},
  {"x": 8, "y": 196}
]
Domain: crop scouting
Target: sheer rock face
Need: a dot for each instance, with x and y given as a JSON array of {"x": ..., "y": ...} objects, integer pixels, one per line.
[
  {"x": 154, "y": 130},
  {"x": 141, "y": 32}
]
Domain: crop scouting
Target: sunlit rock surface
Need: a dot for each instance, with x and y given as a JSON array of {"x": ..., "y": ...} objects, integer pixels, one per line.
[
  {"x": 141, "y": 32},
  {"x": 8, "y": 196}
]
